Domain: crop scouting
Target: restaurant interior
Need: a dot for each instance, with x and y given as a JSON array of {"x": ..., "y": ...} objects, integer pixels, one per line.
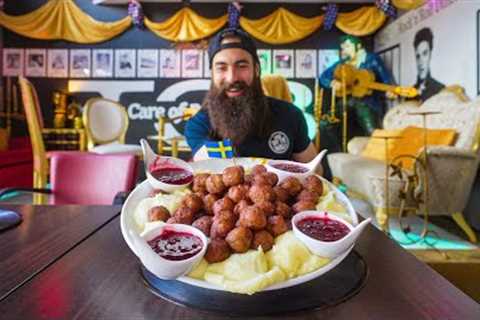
[{"x": 95, "y": 97}]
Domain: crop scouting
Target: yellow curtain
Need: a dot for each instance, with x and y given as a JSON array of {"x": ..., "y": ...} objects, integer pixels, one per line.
[
  {"x": 361, "y": 22},
  {"x": 407, "y": 4},
  {"x": 186, "y": 26},
  {"x": 281, "y": 27},
  {"x": 62, "y": 19}
]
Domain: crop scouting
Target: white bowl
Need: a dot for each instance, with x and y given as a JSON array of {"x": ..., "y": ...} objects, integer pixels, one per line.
[
  {"x": 329, "y": 249},
  {"x": 282, "y": 174},
  {"x": 167, "y": 162},
  {"x": 161, "y": 267}
]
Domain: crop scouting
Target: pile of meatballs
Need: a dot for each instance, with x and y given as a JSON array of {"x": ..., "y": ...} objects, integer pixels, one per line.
[{"x": 240, "y": 211}]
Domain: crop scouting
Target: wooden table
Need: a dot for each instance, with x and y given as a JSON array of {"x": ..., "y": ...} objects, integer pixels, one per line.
[
  {"x": 46, "y": 233},
  {"x": 99, "y": 279}
]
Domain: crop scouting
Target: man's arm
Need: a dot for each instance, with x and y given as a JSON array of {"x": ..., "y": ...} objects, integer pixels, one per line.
[{"x": 307, "y": 155}]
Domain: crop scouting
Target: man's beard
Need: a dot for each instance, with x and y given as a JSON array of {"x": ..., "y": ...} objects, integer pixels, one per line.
[{"x": 238, "y": 117}]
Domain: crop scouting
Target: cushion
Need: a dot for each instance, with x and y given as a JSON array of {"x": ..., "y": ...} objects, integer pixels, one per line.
[{"x": 411, "y": 143}]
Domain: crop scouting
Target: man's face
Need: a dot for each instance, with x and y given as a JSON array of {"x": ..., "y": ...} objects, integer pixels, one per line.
[
  {"x": 233, "y": 70},
  {"x": 423, "y": 55},
  {"x": 348, "y": 50}
]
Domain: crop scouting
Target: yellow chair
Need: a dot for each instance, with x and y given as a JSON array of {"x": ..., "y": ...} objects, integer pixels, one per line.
[
  {"x": 106, "y": 123},
  {"x": 173, "y": 141},
  {"x": 276, "y": 86}
]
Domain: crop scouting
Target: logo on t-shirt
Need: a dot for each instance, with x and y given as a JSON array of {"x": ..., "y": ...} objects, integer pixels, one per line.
[{"x": 279, "y": 142}]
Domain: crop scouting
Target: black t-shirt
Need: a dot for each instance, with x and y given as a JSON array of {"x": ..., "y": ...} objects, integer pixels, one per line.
[{"x": 288, "y": 133}]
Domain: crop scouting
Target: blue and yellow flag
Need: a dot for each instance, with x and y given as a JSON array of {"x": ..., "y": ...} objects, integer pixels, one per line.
[{"x": 220, "y": 149}]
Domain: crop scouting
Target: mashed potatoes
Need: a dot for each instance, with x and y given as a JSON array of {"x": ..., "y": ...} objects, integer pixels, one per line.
[{"x": 253, "y": 271}]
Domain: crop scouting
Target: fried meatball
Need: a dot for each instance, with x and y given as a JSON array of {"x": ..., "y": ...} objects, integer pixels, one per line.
[
  {"x": 193, "y": 202},
  {"x": 313, "y": 183},
  {"x": 221, "y": 227},
  {"x": 257, "y": 169},
  {"x": 258, "y": 193},
  {"x": 281, "y": 194},
  {"x": 262, "y": 238},
  {"x": 253, "y": 217},
  {"x": 276, "y": 225},
  {"x": 217, "y": 251},
  {"x": 239, "y": 207},
  {"x": 184, "y": 215},
  {"x": 239, "y": 239},
  {"x": 223, "y": 204},
  {"x": 303, "y": 205},
  {"x": 208, "y": 202},
  {"x": 267, "y": 207},
  {"x": 269, "y": 178},
  {"x": 214, "y": 184},
  {"x": 237, "y": 193},
  {"x": 283, "y": 209},
  {"x": 292, "y": 185},
  {"x": 199, "y": 182},
  {"x": 203, "y": 223},
  {"x": 306, "y": 195},
  {"x": 226, "y": 215},
  {"x": 233, "y": 176},
  {"x": 158, "y": 213}
]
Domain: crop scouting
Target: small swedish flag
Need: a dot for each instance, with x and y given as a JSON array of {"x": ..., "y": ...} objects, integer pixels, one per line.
[{"x": 220, "y": 149}]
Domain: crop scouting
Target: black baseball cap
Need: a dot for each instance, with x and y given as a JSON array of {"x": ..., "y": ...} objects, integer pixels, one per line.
[{"x": 246, "y": 43}]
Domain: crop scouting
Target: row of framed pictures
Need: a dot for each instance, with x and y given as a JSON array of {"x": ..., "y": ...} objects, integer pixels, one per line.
[{"x": 152, "y": 63}]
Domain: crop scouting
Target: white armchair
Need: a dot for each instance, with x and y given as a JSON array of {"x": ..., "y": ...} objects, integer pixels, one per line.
[
  {"x": 451, "y": 170},
  {"x": 106, "y": 124}
]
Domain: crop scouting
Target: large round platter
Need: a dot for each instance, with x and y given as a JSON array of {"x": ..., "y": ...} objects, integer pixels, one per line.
[{"x": 217, "y": 166}]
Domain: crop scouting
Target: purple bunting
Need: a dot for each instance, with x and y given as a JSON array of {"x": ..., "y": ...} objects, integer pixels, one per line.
[
  {"x": 234, "y": 15},
  {"x": 136, "y": 12},
  {"x": 386, "y": 7},
  {"x": 330, "y": 16}
]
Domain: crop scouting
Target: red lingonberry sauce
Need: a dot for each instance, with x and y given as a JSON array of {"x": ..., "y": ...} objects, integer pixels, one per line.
[
  {"x": 172, "y": 175},
  {"x": 173, "y": 245},
  {"x": 290, "y": 167},
  {"x": 323, "y": 228}
]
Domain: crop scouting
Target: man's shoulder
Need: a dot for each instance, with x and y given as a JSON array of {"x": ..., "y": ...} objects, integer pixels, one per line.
[
  {"x": 278, "y": 105},
  {"x": 199, "y": 119}
]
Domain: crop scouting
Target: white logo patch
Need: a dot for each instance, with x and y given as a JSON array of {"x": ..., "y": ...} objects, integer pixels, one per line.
[{"x": 279, "y": 142}]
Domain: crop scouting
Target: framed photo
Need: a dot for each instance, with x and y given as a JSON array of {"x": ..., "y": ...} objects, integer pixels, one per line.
[
  {"x": 147, "y": 63},
  {"x": 102, "y": 63},
  {"x": 169, "y": 63},
  {"x": 35, "y": 62},
  {"x": 265, "y": 57},
  {"x": 12, "y": 62},
  {"x": 125, "y": 63},
  {"x": 57, "y": 63},
  {"x": 326, "y": 58},
  {"x": 283, "y": 63},
  {"x": 192, "y": 62},
  {"x": 80, "y": 63},
  {"x": 306, "y": 63},
  {"x": 207, "y": 73}
]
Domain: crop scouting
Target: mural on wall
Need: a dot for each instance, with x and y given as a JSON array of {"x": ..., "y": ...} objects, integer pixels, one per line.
[{"x": 423, "y": 51}]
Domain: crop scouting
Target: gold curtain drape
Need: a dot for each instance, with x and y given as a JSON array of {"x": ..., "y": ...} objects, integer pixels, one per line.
[
  {"x": 407, "y": 4},
  {"x": 186, "y": 26},
  {"x": 63, "y": 20},
  {"x": 281, "y": 27},
  {"x": 361, "y": 22}
]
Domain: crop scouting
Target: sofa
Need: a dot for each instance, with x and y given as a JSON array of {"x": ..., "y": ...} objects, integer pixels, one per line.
[{"x": 450, "y": 170}]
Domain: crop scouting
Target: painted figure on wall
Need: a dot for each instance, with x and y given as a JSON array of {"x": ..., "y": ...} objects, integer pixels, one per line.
[
  {"x": 426, "y": 85},
  {"x": 364, "y": 114}
]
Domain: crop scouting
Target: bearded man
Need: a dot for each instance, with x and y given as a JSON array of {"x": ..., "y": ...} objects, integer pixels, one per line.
[{"x": 236, "y": 108}]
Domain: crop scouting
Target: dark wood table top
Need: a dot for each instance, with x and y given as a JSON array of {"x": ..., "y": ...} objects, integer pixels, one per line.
[
  {"x": 100, "y": 279},
  {"x": 46, "y": 233}
]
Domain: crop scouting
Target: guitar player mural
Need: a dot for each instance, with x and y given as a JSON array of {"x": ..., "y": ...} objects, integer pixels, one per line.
[{"x": 364, "y": 113}]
